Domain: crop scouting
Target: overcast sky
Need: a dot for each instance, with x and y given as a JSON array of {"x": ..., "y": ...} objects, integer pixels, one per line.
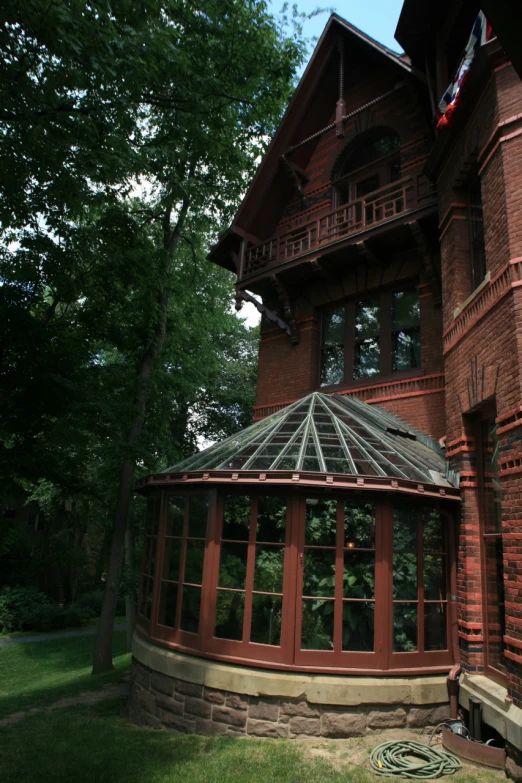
[{"x": 377, "y": 18}]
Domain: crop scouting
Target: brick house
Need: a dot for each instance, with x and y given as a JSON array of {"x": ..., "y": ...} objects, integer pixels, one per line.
[{"x": 382, "y": 478}]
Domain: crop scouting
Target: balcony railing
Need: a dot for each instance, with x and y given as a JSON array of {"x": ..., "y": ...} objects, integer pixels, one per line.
[{"x": 393, "y": 200}]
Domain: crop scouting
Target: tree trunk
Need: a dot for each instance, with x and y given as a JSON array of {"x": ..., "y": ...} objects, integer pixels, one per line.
[
  {"x": 130, "y": 598},
  {"x": 102, "y": 660}
]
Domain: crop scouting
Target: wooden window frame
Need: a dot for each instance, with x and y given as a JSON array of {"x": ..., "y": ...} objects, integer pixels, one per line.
[
  {"x": 289, "y": 655},
  {"x": 386, "y": 372}
]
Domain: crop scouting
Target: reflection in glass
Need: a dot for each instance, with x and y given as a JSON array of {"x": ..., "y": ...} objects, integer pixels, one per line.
[
  {"x": 359, "y": 525},
  {"x": 406, "y": 329},
  {"x": 358, "y": 626},
  {"x": 433, "y": 533},
  {"x": 198, "y": 515},
  {"x": 435, "y": 626},
  {"x": 266, "y": 619},
  {"x": 405, "y": 529},
  {"x": 268, "y": 572},
  {"x": 319, "y": 572},
  {"x": 236, "y": 518},
  {"x": 194, "y": 562},
  {"x": 271, "y": 519},
  {"x": 496, "y": 608},
  {"x": 434, "y": 578},
  {"x": 332, "y": 346},
  {"x": 230, "y": 611},
  {"x": 367, "y": 351},
  {"x": 405, "y": 627},
  {"x": 232, "y": 565},
  {"x": 167, "y": 607},
  {"x": 404, "y": 576},
  {"x": 154, "y": 516},
  {"x": 175, "y": 515},
  {"x": 317, "y": 625},
  {"x": 190, "y": 606},
  {"x": 359, "y": 574},
  {"x": 171, "y": 559},
  {"x": 320, "y": 522}
]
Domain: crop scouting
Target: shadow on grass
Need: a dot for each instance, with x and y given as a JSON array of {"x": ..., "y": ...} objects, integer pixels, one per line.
[
  {"x": 97, "y": 746},
  {"x": 37, "y": 674}
]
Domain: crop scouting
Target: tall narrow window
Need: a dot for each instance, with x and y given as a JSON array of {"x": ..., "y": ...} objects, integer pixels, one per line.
[
  {"x": 476, "y": 235},
  {"x": 332, "y": 346},
  {"x": 493, "y": 553},
  {"x": 149, "y": 556},
  {"x": 405, "y": 330},
  {"x": 367, "y": 349}
]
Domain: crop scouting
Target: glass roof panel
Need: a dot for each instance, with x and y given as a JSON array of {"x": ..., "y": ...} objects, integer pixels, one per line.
[{"x": 328, "y": 433}]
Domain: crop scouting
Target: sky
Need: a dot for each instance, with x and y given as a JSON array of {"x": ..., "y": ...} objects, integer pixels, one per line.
[{"x": 377, "y": 18}]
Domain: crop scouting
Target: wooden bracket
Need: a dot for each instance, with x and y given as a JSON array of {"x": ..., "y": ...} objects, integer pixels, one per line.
[
  {"x": 429, "y": 256},
  {"x": 288, "y": 308},
  {"x": 296, "y": 175},
  {"x": 244, "y": 296}
]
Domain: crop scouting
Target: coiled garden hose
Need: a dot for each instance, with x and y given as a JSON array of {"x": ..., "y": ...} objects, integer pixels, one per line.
[{"x": 412, "y": 760}]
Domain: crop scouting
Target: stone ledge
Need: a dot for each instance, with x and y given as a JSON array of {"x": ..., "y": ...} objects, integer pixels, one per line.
[
  {"x": 498, "y": 711},
  {"x": 312, "y": 688}
]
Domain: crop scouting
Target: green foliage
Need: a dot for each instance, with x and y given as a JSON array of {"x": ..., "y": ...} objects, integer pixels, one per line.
[{"x": 18, "y": 605}]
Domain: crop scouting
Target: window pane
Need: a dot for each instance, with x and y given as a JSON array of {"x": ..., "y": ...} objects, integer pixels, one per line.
[
  {"x": 434, "y": 578},
  {"x": 359, "y": 527},
  {"x": 230, "y": 610},
  {"x": 153, "y": 516},
  {"x": 171, "y": 559},
  {"x": 367, "y": 352},
  {"x": 358, "y": 626},
  {"x": 194, "y": 562},
  {"x": 268, "y": 574},
  {"x": 496, "y": 611},
  {"x": 232, "y": 565},
  {"x": 491, "y": 482},
  {"x": 404, "y": 576},
  {"x": 406, "y": 329},
  {"x": 406, "y": 349},
  {"x": 433, "y": 531},
  {"x": 406, "y": 311},
  {"x": 319, "y": 572},
  {"x": 317, "y": 625},
  {"x": 320, "y": 522},
  {"x": 190, "y": 606},
  {"x": 167, "y": 607},
  {"x": 175, "y": 514},
  {"x": 359, "y": 574},
  {"x": 367, "y": 318},
  {"x": 236, "y": 518},
  {"x": 266, "y": 619},
  {"x": 271, "y": 520},
  {"x": 332, "y": 346},
  {"x": 367, "y": 358},
  {"x": 198, "y": 515},
  {"x": 404, "y": 627},
  {"x": 435, "y": 626},
  {"x": 405, "y": 529}
]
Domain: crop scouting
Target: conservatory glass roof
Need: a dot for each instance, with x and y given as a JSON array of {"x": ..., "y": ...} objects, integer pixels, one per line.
[{"x": 327, "y": 434}]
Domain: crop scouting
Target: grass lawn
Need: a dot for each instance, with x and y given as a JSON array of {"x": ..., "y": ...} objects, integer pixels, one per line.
[
  {"x": 38, "y": 673},
  {"x": 96, "y": 744}
]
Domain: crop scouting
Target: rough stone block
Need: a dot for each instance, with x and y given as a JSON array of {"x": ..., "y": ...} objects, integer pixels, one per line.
[
  {"x": 169, "y": 705},
  {"x": 198, "y": 707},
  {"x": 261, "y": 728},
  {"x": 177, "y": 723},
  {"x": 299, "y": 708},
  {"x": 189, "y": 688},
  {"x": 427, "y": 716},
  {"x": 347, "y": 724},
  {"x": 228, "y": 715},
  {"x": 387, "y": 718},
  {"x": 161, "y": 683},
  {"x": 141, "y": 676},
  {"x": 208, "y": 728},
  {"x": 214, "y": 697},
  {"x": 263, "y": 710},
  {"x": 236, "y": 702},
  {"x": 147, "y": 702},
  {"x": 311, "y": 727},
  {"x": 144, "y": 719}
]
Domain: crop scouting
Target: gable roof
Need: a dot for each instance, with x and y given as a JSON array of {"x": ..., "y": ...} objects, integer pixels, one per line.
[{"x": 292, "y": 120}]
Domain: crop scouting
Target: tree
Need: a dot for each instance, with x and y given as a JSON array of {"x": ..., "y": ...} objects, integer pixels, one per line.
[{"x": 129, "y": 131}]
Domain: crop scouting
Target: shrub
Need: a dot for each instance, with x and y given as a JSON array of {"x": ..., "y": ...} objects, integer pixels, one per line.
[{"x": 18, "y": 607}]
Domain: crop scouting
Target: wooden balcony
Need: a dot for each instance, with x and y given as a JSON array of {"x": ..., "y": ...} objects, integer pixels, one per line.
[{"x": 409, "y": 194}]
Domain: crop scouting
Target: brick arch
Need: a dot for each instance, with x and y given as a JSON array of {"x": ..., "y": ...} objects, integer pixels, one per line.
[{"x": 356, "y": 138}]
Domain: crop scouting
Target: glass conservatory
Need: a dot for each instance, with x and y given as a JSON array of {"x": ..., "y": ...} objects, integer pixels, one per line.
[{"x": 318, "y": 539}]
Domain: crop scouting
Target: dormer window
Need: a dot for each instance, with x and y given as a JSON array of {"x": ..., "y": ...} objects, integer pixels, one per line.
[{"x": 372, "y": 163}]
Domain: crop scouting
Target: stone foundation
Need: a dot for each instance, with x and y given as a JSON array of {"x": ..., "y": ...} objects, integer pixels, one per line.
[{"x": 164, "y": 701}]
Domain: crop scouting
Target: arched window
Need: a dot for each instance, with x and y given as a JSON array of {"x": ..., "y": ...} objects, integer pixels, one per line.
[{"x": 371, "y": 163}]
